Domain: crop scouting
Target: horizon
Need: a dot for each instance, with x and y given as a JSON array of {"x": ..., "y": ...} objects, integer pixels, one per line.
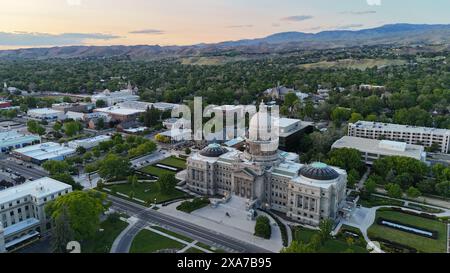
[{"x": 58, "y": 23}]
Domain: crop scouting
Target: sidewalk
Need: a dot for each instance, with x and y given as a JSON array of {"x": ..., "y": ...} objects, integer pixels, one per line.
[{"x": 241, "y": 229}]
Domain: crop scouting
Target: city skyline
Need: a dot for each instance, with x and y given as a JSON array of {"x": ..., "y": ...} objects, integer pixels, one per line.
[{"x": 45, "y": 23}]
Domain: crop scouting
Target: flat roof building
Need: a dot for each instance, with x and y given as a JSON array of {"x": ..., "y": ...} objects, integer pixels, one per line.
[
  {"x": 141, "y": 105},
  {"x": 11, "y": 140},
  {"x": 22, "y": 211},
  {"x": 88, "y": 143},
  {"x": 405, "y": 133},
  {"x": 46, "y": 114},
  {"x": 119, "y": 113},
  {"x": 73, "y": 107},
  {"x": 113, "y": 98},
  {"x": 372, "y": 149},
  {"x": 40, "y": 153},
  {"x": 291, "y": 131}
]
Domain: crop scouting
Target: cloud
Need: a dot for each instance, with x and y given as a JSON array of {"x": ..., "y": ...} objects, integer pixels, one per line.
[
  {"x": 363, "y": 12},
  {"x": 374, "y": 2},
  {"x": 350, "y": 26},
  {"x": 74, "y": 2},
  {"x": 240, "y": 26},
  {"x": 45, "y": 39},
  {"x": 297, "y": 18},
  {"x": 148, "y": 31}
]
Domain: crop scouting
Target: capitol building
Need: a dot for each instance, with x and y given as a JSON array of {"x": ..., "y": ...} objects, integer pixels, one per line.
[{"x": 269, "y": 178}]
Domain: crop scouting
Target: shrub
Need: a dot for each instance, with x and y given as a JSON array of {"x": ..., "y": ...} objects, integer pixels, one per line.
[
  {"x": 262, "y": 227},
  {"x": 190, "y": 206}
]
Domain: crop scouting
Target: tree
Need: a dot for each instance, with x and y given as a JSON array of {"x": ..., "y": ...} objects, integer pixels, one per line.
[
  {"x": 68, "y": 179},
  {"x": 143, "y": 149},
  {"x": 100, "y": 104},
  {"x": 346, "y": 158},
  {"x": 370, "y": 186},
  {"x": 35, "y": 128},
  {"x": 133, "y": 180},
  {"x": 290, "y": 99},
  {"x": 67, "y": 99},
  {"x": 187, "y": 151},
  {"x": 100, "y": 124},
  {"x": 88, "y": 156},
  {"x": 356, "y": 117},
  {"x": 63, "y": 233},
  {"x": 72, "y": 128},
  {"x": 81, "y": 150},
  {"x": 402, "y": 170},
  {"x": 167, "y": 183},
  {"x": 57, "y": 126},
  {"x": 353, "y": 177},
  {"x": 298, "y": 247},
  {"x": 326, "y": 227},
  {"x": 413, "y": 192},
  {"x": 263, "y": 228},
  {"x": 114, "y": 167},
  {"x": 56, "y": 167},
  {"x": 340, "y": 114},
  {"x": 151, "y": 116},
  {"x": 394, "y": 190},
  {"x": 162, "y": 139},
  {"x": 443, "y": 188},
  {"x": 83, "y": 209}
]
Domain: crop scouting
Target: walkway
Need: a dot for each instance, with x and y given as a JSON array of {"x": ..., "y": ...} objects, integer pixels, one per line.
[
  {"x": 188, "y": 244},
  {"x": 363, "y": 180},
  {"x": 428, "y": 200},
  {"x": 236, "y": 225}
]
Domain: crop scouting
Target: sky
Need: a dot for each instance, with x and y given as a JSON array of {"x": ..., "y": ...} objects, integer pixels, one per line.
[{"x": 43, "y": 23}]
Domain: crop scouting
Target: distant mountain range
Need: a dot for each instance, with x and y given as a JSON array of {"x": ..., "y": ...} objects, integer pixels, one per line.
[{"x": 394, "y": 34}]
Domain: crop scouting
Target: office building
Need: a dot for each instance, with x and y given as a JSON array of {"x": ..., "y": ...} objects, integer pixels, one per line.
[
  {"x": 403, "y": 133},
  {"x": 40, "y": 153},
  {"x": 372, "y": 149},
  {"x": 47, "y": 114},
  {"x": 10, "y": 140},
  {"x": 22, "y": 211}
]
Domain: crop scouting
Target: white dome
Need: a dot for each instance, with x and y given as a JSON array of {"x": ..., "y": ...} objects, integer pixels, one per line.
[{"x": 264, "y": 127}]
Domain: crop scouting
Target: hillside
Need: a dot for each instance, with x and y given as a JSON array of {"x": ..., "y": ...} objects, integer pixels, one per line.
[{"x": 395, "y": 34}]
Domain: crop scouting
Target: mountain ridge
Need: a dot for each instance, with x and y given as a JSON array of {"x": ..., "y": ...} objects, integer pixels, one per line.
[{"x": 401, "y": 34}]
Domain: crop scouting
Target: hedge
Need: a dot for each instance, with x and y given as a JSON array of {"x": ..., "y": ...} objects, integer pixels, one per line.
[{"x": 263, "y": 228}]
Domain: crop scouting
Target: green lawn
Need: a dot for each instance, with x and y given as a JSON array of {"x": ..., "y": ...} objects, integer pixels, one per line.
[
  {"x": 331, "y": 246},
  {"x": 155, "y": 171},
  {"x": 150, "y": 242},
  {"x": 420, "y": 243},
  {"x": 174, "y": 162},
  {"x": 176, "y": 235},
  {"x": 103, "y": 241},
  {"x": 146, "y": 192}
]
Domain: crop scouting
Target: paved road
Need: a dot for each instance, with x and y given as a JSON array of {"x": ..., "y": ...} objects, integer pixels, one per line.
[
  {"x": 126, "y": 239},
  {"x": 28, "y": 173},
  {"x": 149, "y": 217}
]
